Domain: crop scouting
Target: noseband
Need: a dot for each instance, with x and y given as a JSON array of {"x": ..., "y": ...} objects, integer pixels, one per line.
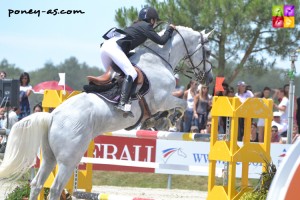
[{"x": 199, "y": 74}]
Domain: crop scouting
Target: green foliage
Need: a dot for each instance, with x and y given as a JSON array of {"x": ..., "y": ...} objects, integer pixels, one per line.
[
  {"x": 255, "y": 195},
  {"x": 261, "y": 190},
  {"x": 19, "y": 192},
  {"x": 23, "y": 191}
]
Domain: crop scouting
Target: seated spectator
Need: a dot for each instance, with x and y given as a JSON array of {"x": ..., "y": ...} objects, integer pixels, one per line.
[
  {"x": 254, "y": 133},
  {"x": 275, "y": 137},
  {"x": 282, "y": 127},
  {"x": 207, "y": 130}
]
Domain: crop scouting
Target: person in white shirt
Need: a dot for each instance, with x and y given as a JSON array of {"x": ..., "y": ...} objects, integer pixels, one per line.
[
  {"x": 282, "y": 127},
  {"x": 9, "y": 120},
  {"x": 243, "y": 94},
  {"x": 282, "y": 107}
]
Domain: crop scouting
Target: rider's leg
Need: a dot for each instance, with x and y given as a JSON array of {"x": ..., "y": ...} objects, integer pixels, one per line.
[
  {"x": 126, "y": 90},
  {"x": 119, "y": 57}
]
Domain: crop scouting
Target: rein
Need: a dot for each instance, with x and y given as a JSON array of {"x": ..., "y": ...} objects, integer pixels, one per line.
[{"x": 199, "y": 75}]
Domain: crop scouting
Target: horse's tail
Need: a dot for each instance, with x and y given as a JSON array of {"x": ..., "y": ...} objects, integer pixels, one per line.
[{"x": 23, "y": 143}]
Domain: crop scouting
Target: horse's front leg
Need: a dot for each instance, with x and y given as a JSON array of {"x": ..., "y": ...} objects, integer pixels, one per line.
[
  {"x": 176, "y": 108},
  {"x": 175, "y": 103}
]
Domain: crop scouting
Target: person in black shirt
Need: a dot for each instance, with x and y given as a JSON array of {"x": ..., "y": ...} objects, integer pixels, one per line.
[{"x": 120, "y": 42}]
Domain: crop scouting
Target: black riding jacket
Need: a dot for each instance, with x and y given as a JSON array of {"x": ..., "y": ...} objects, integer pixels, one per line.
[{"x": 139, "y": 32}]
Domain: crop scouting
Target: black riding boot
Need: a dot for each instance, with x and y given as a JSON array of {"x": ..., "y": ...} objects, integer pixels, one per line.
[{"x": 126, "y": 90}]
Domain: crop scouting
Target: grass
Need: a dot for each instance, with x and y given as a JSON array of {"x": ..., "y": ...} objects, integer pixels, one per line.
[{"x": 148, "y": 180}]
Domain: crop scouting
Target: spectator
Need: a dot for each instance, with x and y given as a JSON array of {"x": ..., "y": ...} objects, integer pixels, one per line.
[
  {"x": 37, "y": 108},
  {"x": 9, "y": 120},
  {"x": 202, "y": 106},
  {"x": 207, "y": 129},
  {"x": 2, "y": 75},
  {"x": 282, "y": 127},
  {"x": 179, "y": 90},
  {"x": 230, "y": 92},
  {"x": 254, "y": 133},
  {"x": 266, "y": 93},
  {"x": 243, "y": 94},
  {"x": 282, "y": 106},
  {"x": 189, "y": 95},
  {"x": 275, "y": 137},
  {"x": 261, "y": 122},
  {"x": 25, "y": 91}
]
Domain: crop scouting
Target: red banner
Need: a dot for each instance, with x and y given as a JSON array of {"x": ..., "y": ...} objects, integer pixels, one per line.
[{"x": 121, "y": 148}]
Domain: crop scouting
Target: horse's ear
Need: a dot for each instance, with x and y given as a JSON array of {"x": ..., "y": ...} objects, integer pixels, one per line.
[
  {"x": 202, "y": 32},
  {"x": 210, "y": 33}
]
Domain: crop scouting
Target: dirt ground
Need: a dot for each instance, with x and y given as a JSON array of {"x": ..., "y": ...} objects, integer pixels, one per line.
[
  {"x": 155, "y": 194},
  {"x": 129, "y": 193}
]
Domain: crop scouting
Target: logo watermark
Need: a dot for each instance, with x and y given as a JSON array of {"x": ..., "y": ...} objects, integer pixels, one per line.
[{"x": 283, "y": 16}]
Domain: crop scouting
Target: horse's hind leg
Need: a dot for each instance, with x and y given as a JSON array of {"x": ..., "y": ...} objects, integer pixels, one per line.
[
  {"x": 61, "y": 179},
  {"x": 38, "y": 182},
  {"x": 47, "y": 165}
]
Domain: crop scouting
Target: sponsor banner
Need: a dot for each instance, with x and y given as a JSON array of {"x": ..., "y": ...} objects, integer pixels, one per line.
[
  {"x": 195, "y": 155},
  {"x": 168, "y": 156},
  {"x": 127, "y": 149}
]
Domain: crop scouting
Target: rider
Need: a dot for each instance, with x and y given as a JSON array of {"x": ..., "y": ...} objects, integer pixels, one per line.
[{"x": 120, "y": 42}]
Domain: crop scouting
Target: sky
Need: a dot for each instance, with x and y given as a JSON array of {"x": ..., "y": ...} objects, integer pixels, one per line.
[{"x": 29, "y": 40}]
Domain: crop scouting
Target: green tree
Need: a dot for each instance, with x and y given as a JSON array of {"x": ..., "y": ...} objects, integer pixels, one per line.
[
  {"x": 10, "y": 69},
  {"x": 243, "y": 30}
]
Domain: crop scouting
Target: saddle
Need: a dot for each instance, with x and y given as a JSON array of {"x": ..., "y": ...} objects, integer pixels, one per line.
[
  {"x": 107, "y": 77},
  {"x": 110, "y": 90}
]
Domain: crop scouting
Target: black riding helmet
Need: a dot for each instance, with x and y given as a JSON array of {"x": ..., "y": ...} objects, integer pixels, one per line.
[{"x": 148, "y": 13}]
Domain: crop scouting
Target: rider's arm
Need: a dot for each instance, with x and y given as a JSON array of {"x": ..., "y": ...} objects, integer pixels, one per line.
[{"x": 152, "y": 35}]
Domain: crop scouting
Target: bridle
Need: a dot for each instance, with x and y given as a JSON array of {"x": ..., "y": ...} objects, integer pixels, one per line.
[{"x": 198, "y": 74}]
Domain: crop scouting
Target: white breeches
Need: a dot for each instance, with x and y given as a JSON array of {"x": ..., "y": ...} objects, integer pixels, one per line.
[{"x": 111, "y": 52}]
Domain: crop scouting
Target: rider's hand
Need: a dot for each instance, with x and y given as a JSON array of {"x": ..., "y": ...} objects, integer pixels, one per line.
[{"x": 172, "y": 26}]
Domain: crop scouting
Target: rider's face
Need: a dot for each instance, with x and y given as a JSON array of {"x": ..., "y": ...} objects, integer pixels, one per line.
[{"x": 153, "y": 22}]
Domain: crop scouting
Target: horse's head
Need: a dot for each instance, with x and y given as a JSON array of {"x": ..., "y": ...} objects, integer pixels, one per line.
[{"x": 197, "y": 53}]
